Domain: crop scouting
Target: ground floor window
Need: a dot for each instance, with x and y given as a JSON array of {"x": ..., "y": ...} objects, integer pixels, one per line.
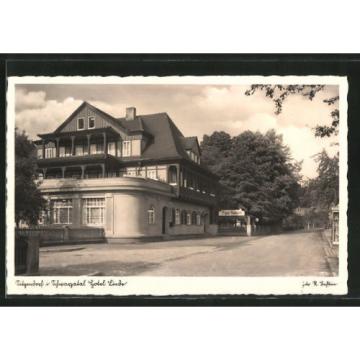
[
  {"x": 93, "y": 211},
  {"x": 61, "y": 211},
  {"x": 193, "y": 218},
  {"x": 183, "y": 217},
  {"x": 198, "y": 219},
  {"x": 177, "y": 217},
  {"x": 151, "y": 215},
  {"x": 188, "y": 218}
]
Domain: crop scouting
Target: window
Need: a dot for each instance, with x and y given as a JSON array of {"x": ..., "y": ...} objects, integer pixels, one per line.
[
  {"x": 188, "y": 218},
  {"x": 96, "y": 148},
  {"x": 39, "y": 153},
  {"x": 194, "y": 157},
  {"x": 50, "y": 152},
  {"x": 126, "y": 148},
  {"x": 151, "y": 174},
  {"x": 91, "y": 122},
  {"x": 177, "y": 217},
  {"x": 61, "y": 211},
  {"x": 93, "y": 211},
  {"x": 79, "y": 150},
  {"x": 190, "y": 182},
  {"x": 111, "y": 149},
  {"x": 172, "y": 175},
  {"x": 151, "y": 216},
  {"x": 183, "y": 217},
  {"x": 193, "y": 218},
  {"x": 80, "y": 124},
  {"x": 131, "y": 172},
  {"x": 92, "y": 148},
  {"x": 172, "y": 219},
  {"x": 62, "y": 151},
  {"x": 42, "y": 218},
  {"x": 198, "y": 219},
  {"x": 119, "y": 146},
  {"x": 68, "y": 151}
]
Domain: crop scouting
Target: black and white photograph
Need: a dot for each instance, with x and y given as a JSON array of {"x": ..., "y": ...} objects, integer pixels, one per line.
[{"x": 177, "y": 185}]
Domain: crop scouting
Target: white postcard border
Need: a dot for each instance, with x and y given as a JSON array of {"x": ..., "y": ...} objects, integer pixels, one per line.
[{"x": 177, "y": 285}]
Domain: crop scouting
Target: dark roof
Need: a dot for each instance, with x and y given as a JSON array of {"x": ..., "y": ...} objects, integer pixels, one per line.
[
  {"x": 131, "y": 125},
  {"x": 189, "y": 142},
  {"x": 165, "y": 140}
]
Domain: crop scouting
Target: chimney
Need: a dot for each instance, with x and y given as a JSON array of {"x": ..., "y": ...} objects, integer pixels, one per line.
[{"x": 130, "y": 113}]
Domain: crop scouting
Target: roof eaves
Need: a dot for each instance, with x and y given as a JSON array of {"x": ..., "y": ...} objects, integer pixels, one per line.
[{"x": 110, "y": 118}]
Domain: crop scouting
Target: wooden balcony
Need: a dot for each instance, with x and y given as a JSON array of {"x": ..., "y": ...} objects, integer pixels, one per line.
[{"x": 76, "y": 159}]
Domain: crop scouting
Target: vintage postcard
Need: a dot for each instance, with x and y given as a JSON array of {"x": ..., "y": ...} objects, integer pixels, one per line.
[{"x": 181, "y": 185}]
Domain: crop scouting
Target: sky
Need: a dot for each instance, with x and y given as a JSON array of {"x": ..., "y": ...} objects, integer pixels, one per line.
[{"x": 195, "y": 109}]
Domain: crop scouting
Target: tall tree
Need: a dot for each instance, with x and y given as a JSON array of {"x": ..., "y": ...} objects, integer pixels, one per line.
[
  {"x": 216, "y": 154},
  {"x": 259, "y": 170},
  {"x": 28, "y": 199}
]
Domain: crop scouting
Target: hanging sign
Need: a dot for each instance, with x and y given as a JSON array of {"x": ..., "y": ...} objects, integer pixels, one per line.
[{"x": 235, "y": 212}]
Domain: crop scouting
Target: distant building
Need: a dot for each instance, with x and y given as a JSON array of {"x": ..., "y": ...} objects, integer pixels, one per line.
[
  {"x": 135, "y": 176},
  {"x": 335, "y": 225},
  {"x": 301, "y": 211}
]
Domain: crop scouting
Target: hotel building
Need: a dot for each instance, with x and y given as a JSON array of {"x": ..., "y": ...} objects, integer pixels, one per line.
[{"x": 136, "y": 176}]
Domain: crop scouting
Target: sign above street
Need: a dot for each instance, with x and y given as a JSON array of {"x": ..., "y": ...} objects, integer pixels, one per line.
[{"x": 235, "y": 212}]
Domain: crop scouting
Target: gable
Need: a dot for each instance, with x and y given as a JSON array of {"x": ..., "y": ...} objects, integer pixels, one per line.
[{"x": 84, "y": 112}]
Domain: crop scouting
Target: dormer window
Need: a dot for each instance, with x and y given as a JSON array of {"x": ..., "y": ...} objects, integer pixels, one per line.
[
  {"x": 80, "y": 124},
  {"x": 91, "y": 122}
]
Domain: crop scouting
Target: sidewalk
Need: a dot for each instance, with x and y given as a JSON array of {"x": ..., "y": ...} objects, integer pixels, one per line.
[{"x": 331, "y": 252}]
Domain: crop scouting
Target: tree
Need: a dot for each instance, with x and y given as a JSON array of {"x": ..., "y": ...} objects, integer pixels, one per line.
[
  {"x": 259, "y": 170},
  {"x": 216, "y": 155},
  {"x": 328, "y": 179},
  {"x": 279, "y": 93},
  {"x": 323, "y": 191},
  {"x": 28, "y": 199},
  {"x": 216, "y": 150}
]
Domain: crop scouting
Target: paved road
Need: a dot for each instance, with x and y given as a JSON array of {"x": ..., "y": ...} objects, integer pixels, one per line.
[{"x": 292, "y": 254}]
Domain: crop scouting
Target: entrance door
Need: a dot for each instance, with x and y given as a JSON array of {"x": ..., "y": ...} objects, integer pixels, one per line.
[{"x": 163, "y": 230}]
